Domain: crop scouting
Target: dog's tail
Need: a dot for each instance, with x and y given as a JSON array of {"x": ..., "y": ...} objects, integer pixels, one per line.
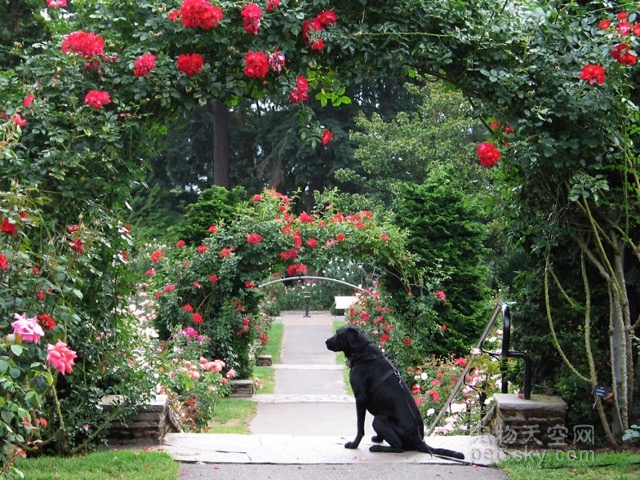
[{"x": 441, "y": 451}]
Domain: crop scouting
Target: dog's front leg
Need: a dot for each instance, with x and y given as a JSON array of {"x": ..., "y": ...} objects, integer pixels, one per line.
[{"x": 361, "y": 412}]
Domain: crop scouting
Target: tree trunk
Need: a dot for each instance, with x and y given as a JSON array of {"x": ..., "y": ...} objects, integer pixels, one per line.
[{"x": 221, "y": 158}]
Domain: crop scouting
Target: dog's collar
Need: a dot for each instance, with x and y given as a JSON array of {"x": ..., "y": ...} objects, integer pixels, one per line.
[{"x": 364, "y": 358}]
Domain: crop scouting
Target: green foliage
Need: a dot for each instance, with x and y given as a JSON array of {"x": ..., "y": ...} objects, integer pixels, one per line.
[
  {"x": 439, "y": 133},
  {"x": 445, "y": 229},
  {"x": 215, "y": 205}
]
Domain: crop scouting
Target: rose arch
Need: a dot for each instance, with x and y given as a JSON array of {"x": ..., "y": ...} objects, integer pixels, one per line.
[{"x": 213, "y": 288}]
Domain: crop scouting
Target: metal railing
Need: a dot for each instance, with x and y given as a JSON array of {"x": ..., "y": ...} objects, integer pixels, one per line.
[{"x": 505, "y": 353}]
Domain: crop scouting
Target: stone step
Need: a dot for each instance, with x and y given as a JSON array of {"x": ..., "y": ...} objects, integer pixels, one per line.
[
  {"x": 296, "y": 398},
  {"x": 302, "y": 366}
]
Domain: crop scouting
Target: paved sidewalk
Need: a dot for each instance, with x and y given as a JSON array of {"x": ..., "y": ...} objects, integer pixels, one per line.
[{"x": 301, "y": 429}]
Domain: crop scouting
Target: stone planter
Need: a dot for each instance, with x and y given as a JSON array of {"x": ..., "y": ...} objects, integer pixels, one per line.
[
  {"x": 242, "y": 388},
  {"x": 149, "y": 425},
  {"x": 538, "y": 422}
]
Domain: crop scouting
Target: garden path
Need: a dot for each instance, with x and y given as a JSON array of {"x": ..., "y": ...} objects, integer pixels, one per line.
[{"x": 310, "y": 416}]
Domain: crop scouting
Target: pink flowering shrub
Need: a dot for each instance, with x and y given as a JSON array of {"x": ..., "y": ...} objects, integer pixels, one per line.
[{"x": 194, "y": 382}]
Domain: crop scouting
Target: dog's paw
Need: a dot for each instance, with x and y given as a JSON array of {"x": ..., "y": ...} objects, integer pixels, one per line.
[
  {"x": 377, "y": 439},
  {"x": 351, "y": 445},
  {"x": 375, "y": 448}
]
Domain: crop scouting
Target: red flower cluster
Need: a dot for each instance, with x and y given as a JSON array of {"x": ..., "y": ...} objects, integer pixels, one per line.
[
  {"x": 144, "y": 64},
  {"x": 272, "y": 5},
  {"x": 296, "y": 269},
  {"x": 488, "y": 154},
  {"x": 256, "y": 64},
  {"x": 156, "y": 256},
  {"x": 593, "y": 74},
  {"x": 622, "y": 53},
  {"x": 251, "y": 16},
  {"x": 440, "y": 295},
  {"x": 254, "y": 238},
  {"x": 18, "y": 120},
  {"x": 46, "y": 322},
  {"x": 190, "y": 63},
  {"x": 85, "y": 44},
  {"x": 97, "y": 98},
  {"x": 77, "y": 245},
  {"x": 199, "y": 13},
  {"x": 306, "y": 218},
  {"x": 4, "y": 262},
  {"x": 313, "y": 26},
  {"x": 301, "y": 92}
]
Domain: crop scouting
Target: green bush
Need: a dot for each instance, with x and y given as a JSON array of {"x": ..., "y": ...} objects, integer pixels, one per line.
[
  {"x": 66, "y": 281},
  {"x": 446, "y": 231}
]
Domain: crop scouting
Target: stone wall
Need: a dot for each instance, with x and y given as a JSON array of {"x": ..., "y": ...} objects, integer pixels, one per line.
[{"x": 152, "y": 422}]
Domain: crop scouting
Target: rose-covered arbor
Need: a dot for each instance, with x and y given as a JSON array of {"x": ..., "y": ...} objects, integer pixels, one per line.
[
  {"x": 212, "y": 288},
  {"x": 563, "y": 80}
]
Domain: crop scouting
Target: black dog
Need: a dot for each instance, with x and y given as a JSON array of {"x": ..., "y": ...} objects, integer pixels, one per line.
[{"x": 378, "y": 388}]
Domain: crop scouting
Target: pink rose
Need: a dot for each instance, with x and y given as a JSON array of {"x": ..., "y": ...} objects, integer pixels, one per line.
[
  {"x": 28, "y": 328},
  {"x": 61, "y": 357}
]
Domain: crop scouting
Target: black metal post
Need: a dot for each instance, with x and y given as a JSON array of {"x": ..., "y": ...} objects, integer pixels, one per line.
[
  {"x": 307, "y": 297},
  {"x": 506, "y": 353}
]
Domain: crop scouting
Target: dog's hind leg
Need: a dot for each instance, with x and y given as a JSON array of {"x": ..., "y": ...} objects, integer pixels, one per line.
[{"x": 384, "y": 431}]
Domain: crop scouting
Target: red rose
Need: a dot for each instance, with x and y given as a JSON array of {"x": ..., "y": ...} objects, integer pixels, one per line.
[
  {"x": 256, "y": 64},
  {"x": 144, "y": 64},
  {"x": 251, "y": 16},
  {"x": 85, "y": 44},
  {"x": 97, "y": 98},
  {"x": 190, "y": 63},
  {"x": 593, "y": 74},
  {"x": 254, "y": 238},
  {"x": 200, "y": 13},
  {"x": 488, "y": 154},
  {"x": 327, "y": 136}
]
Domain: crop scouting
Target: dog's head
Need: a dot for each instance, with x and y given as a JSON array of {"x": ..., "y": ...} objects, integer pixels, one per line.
[{"x": 348, "y": 339}]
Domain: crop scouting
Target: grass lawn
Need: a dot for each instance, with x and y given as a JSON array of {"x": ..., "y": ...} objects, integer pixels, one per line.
[
  {"x": 580, "y": 464},
  {"x": 111, "y": 465},
  {"x": 233, "y": 415}
]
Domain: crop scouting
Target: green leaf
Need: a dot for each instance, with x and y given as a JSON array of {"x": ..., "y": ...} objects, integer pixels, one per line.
[{"x": 17, "y": 349}]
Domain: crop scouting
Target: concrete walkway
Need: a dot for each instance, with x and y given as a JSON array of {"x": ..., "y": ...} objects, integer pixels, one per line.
[{"x": 301, "y": 429}]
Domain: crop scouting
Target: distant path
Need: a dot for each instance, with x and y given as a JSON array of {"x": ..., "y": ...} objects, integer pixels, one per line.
[{"x": 310, "y": 396}]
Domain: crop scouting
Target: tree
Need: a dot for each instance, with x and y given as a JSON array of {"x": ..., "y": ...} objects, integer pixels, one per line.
[{"x": 413, "y": 144}]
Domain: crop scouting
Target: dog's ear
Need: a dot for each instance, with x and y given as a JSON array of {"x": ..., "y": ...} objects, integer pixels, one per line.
[{"x": 356, "y": 338}]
